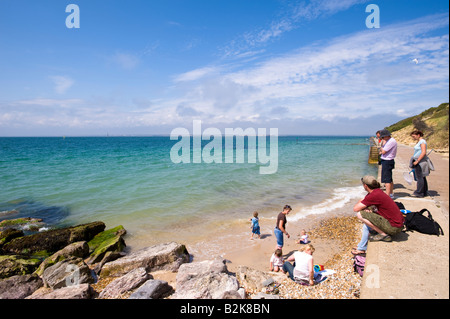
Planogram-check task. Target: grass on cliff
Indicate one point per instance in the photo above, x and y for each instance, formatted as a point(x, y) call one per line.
point(433, 122)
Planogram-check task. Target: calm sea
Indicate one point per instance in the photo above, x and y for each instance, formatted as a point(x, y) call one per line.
point(131, 181)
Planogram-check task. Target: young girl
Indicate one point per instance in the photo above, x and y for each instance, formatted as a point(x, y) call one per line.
point(255, 225)
point(276, 261)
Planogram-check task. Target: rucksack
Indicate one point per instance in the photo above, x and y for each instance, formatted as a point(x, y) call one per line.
point(359, 262)
point(426, 225)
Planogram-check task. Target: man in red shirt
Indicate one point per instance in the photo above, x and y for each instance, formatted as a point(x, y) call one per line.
point(385, 217)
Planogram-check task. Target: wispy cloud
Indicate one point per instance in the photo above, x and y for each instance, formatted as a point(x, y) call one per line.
point(126, 61)
point(61, 83)
point(295, 15)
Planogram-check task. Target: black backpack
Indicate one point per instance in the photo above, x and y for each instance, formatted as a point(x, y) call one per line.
point(426, 225)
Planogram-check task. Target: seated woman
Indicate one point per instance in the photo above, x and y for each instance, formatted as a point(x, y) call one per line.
point(302, 271)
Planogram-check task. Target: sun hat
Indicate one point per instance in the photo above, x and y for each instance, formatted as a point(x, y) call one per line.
point(384, 133)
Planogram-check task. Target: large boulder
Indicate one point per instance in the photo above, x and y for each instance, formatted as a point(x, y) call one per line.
point(19, 287)
point(126, 283)
point(83, 291)
point(79, 249)
point(167, 256)
point(68, 272)
point(110, 240)
point(49, 242)
point(205, 280)
point(11, 265)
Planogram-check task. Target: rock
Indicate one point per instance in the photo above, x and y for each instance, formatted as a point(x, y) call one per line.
point(68, 272)
point(8, 235)
point(152, 289)
point(107, 241)
point(79, 249)
point(49, 242)
point(19, 287)
point(126, 283)
point(26, 223)
point(168, 256)
point(109, 256)
point(83, 291)
point(12, 265)
point(205, 280)
point(255, 279)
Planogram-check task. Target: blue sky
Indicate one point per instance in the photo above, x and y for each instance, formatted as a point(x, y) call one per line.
point(145, 67)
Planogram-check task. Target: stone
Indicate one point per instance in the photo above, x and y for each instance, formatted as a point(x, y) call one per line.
point(49, 242)
point(26, 223)
point(110, 240)
point(79, 249)
point(205, 280)
point(68, 272)
point(19, 287)
point(126, 283)
point(152, 289)
point(167, 256)
point(83, 291)
point(11, 265)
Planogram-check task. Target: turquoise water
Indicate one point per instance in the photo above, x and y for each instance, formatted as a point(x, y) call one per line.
point(133, 182)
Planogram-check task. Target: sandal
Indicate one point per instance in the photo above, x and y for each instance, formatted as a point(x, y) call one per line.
point(380, 237)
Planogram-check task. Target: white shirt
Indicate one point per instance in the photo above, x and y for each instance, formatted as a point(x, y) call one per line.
point(302, 263)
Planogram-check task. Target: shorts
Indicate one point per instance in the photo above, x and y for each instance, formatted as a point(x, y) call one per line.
point(386, 171)
point(256, 230)
point(279, 236)
point(380, 222)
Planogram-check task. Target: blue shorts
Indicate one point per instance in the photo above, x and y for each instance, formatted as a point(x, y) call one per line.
point(256, 230)
point(386, 171)
point(279, 236)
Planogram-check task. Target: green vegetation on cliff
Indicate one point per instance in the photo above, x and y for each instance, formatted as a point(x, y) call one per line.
point(432, 122)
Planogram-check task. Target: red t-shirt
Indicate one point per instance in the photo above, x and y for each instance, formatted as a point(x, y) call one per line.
point(386, 207)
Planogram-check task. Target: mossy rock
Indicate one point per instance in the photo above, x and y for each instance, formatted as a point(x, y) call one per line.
point(53, 240)
point(108, 240)
point(8, 235)
point(17, 265)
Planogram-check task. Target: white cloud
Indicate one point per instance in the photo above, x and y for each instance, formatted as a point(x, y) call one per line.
point(125, 60)
point(195, 74)
point(62, 83)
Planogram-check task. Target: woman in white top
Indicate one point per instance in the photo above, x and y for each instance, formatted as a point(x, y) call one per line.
point(303, 269)
point(419, 159)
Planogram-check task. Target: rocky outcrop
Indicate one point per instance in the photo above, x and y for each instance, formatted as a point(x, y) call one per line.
point(49, 242)
point(9, 234)
point(256, 280)
point(167, 256)
point(19, 287)
point(205, 280)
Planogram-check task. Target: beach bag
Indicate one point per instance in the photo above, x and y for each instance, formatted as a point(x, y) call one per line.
point(359, 262)
point(423, 224)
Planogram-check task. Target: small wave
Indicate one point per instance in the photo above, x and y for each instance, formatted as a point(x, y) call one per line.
point(340, 197)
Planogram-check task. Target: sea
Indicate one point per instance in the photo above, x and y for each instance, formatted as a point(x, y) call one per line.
point(132, 181)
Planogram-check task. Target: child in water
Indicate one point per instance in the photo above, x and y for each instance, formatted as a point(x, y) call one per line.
point(255, 225)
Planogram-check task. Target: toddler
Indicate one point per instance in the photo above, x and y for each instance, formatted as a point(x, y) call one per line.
point(304, 238)
point(255, 225)
point(276, 261)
